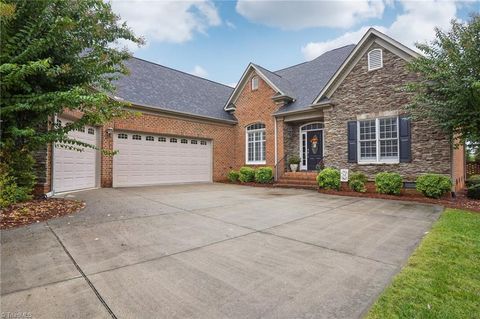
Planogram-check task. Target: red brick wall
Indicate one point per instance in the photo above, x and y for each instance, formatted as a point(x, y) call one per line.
point(254, 107)
point(220, 134)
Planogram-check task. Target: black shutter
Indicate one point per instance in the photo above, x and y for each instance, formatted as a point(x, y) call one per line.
point(405, 139)
point(352, 141)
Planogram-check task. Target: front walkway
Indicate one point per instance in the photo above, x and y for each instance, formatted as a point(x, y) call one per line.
point(210, 251)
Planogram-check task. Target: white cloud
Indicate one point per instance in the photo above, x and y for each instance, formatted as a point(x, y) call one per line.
point(167, 21)
point(296, 15)
point(415, 24)
point(199, 71)
point(230, 24)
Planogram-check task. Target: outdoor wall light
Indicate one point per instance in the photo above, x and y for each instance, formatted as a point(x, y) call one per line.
point(110, 131)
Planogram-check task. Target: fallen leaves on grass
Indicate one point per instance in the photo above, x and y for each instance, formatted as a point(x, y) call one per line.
point(38, 210)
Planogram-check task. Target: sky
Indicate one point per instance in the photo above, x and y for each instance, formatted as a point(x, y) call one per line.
point(217, 39)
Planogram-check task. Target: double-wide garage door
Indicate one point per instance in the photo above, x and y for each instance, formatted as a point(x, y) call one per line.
point(73, 170)
point(147, 159)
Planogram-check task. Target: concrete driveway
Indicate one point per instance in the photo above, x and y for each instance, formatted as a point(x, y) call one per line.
point(210, 251)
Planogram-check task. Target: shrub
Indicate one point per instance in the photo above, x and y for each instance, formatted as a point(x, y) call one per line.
point(294, 159)
point(10, 192)
point(329, 178)
point(247, 174)
point(473, 180)
point(233, 176)
point(473, 191)
point(263, 175)
point(433, 185)
point(388, 183)
point(357, 182)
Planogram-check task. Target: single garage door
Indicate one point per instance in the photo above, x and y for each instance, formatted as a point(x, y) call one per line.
point(146, 159)
point(73, 170)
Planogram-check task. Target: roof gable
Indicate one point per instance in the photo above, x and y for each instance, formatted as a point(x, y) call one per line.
point(370, 37)
point(279, 85)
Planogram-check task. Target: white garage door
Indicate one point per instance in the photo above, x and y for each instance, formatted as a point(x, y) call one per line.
point(73, 170)
point(145, 159)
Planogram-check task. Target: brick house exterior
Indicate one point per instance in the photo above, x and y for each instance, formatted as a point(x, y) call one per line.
point(320, 98)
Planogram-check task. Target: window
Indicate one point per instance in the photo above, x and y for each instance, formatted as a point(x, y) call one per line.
point(193, 142)
point(59, 123)
point(173, 140)
point(184, 141)
point(81, 129)
point(150, 138)
point(91, 131)
point(375, 59)
point(378, 140)
point(162, 139)
point(136, 137)
point(255, 137)
point(254, 83)
point(203, 142)
point(122, 136)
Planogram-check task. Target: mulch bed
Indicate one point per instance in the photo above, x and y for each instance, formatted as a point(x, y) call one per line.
point(461, 201)
point(38, 210)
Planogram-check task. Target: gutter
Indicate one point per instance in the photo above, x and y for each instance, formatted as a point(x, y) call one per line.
point(168, 111)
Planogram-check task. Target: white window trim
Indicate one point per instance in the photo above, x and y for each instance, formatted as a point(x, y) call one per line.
point(253, 80)
point(381, 60)
point(377, 139)
point(261, 146)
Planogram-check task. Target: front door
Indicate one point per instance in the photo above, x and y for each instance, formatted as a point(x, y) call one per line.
point(314, 149)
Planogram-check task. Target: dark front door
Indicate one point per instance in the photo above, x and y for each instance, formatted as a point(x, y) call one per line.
point(314, 149)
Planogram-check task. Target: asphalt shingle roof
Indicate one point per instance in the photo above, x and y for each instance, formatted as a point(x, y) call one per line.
point(164, 88)
point(161, 87)
point(306, 80)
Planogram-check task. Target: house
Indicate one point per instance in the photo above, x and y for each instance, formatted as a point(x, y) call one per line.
point(345, 109)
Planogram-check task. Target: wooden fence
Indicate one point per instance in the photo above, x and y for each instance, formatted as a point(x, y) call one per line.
point(473, 168)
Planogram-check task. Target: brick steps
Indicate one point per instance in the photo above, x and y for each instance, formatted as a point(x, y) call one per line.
point(304, 180)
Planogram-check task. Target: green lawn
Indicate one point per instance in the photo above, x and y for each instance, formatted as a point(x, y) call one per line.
point(442, 277)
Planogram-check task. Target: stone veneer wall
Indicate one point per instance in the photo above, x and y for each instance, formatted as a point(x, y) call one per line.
point(291, 139)
point(374, 92)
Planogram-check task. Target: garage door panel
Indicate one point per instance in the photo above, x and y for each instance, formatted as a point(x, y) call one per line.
point(161, 161)
point(75, 170)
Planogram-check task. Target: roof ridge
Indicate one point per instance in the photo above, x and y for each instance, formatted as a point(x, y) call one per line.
point(288, 67)
point(179, 71)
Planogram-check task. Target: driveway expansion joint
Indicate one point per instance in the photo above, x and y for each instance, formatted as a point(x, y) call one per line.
point(100, 298)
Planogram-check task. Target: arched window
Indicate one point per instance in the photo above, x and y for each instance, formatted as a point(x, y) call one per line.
point(255, 144)
point(254, 83)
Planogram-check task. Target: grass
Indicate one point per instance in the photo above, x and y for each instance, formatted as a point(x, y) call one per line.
point(442, 277)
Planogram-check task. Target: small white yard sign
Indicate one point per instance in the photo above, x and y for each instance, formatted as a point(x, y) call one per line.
point(344, 175)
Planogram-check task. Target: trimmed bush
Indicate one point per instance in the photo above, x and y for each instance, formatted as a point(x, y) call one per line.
point(357, 182)
point(433, 185)
point(233, 176)
point(263, 175)
point(388, 183)
point(473, 191)
point(247, 174)
point(329, 178)
point(10, 192)
point(473, 180)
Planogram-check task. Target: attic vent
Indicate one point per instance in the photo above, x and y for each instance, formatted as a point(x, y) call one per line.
point(375, 59)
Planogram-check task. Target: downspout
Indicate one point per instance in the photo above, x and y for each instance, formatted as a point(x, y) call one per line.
point(276, 155)
point(52, 164)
